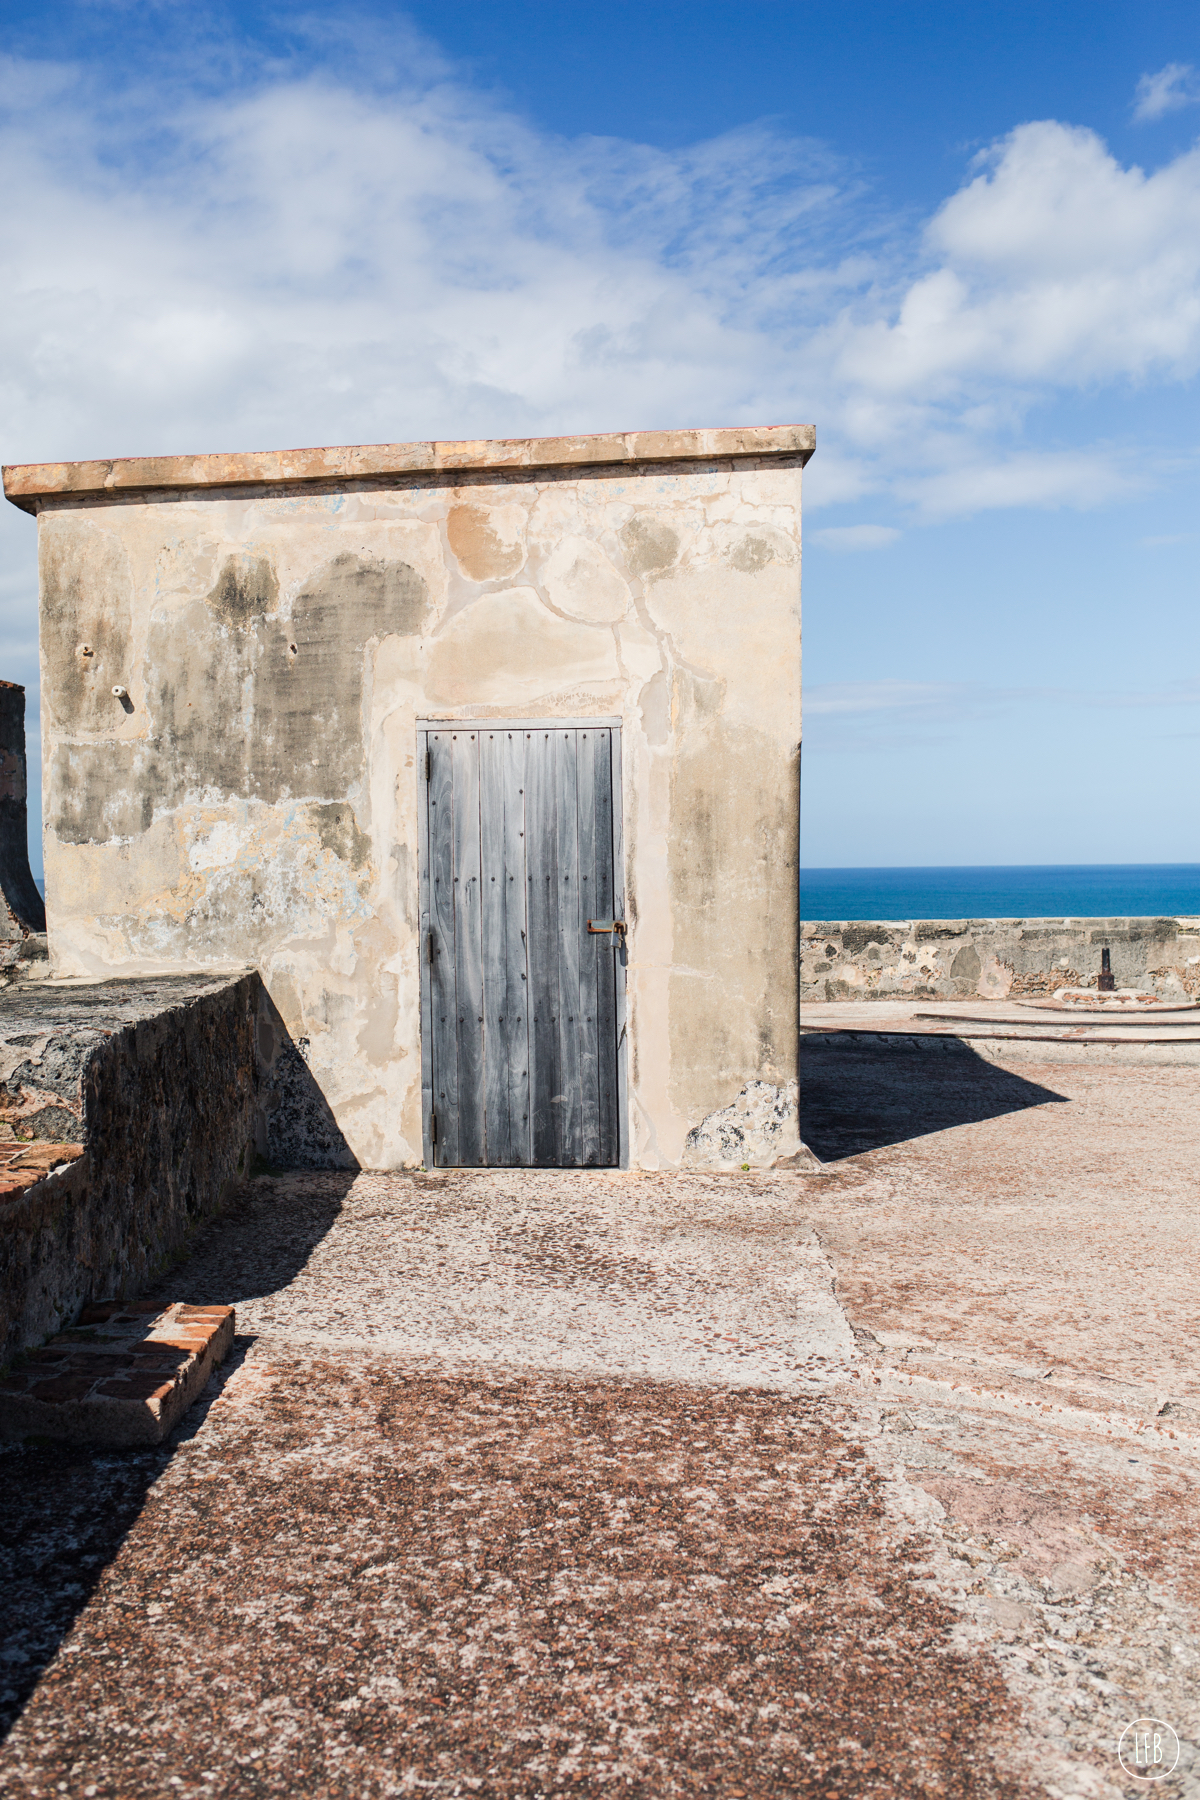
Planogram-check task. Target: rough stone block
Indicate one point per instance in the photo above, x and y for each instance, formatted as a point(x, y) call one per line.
point(123, 1375)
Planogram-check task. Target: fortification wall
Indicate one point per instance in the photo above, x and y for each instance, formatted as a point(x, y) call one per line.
point(139, 1105)
point(993, 958)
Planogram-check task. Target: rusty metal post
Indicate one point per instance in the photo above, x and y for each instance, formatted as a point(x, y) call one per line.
point(1105, 984)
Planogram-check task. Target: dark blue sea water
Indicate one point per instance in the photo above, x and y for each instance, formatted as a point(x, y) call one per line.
point(1039, 891)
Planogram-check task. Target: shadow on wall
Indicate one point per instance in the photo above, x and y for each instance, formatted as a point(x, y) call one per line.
point(857, 1095)
point(177, 1089)
point(297, 1129)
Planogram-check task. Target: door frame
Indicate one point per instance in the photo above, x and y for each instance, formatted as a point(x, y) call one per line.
point(618, 814)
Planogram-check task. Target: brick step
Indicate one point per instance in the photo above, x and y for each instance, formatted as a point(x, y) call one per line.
point(124, 1374)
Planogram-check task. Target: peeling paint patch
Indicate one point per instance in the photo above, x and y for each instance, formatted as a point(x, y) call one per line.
point(760, 1128)
point(215, 849)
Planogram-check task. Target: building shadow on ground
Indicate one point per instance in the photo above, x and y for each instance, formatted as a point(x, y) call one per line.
point(859, 1093)
point(65, 1509)
point(260, 1241)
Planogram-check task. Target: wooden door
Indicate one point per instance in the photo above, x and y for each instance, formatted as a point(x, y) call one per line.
point(522, 1004)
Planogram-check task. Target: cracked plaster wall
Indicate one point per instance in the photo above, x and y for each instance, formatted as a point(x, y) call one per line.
point(254, 800)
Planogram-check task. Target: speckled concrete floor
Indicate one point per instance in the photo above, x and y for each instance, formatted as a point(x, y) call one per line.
point(545, 1484)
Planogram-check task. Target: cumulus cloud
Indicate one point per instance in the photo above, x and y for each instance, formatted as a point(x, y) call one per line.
point(323, 253)
point(1173, 87)
point(311, 261)
point(1054, 267)
point(355, 247)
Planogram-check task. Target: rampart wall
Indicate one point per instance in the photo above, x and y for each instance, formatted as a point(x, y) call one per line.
point(928, 959)
point(128, 1110)
point(165, 1105)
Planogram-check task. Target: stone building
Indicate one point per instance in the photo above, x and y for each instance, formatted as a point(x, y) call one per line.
point(486, 755)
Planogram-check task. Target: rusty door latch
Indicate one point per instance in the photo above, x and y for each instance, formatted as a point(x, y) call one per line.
point(595, 926)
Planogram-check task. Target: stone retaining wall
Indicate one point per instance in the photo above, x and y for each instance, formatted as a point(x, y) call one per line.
point(166, 1104)
point(944, 959)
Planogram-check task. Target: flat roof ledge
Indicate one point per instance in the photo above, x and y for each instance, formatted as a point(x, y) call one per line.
point(29, 485)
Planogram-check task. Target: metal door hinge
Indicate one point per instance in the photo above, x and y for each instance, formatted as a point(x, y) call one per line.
point(433, 1128)
point(432, 946)
point(429, 765)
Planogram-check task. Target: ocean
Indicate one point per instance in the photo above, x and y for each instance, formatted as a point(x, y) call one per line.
point(1036, 891)
point(1012, 891)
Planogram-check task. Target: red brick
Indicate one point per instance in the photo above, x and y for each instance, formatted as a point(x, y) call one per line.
point(136, 1387)
point(170, 1355)
point(98, 1313)
point(215, 1313)
point(64, 1387)
point(178, 1340)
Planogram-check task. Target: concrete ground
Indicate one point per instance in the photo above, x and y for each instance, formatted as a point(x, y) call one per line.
point(874, 1480)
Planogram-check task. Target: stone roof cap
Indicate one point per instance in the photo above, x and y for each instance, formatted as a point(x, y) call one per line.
point(29, 485)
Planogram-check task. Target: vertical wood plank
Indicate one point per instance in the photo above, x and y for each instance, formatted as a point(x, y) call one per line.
point(423, 937)
point(541, 886)
point(493, 892)
point(468, 946)
point(566, 805)
point(517, 1010)
point(439, 949)
point(590, 949)
point(606, 961)
point(620, 961)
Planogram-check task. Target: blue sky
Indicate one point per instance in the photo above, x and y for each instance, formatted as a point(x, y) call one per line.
point(964, 240)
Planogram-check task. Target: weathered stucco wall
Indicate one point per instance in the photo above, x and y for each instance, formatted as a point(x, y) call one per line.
point(992, 958)
point(252, 798)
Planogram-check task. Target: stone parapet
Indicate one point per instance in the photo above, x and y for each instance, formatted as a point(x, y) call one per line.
point(141, 1104)
point(994, 958)
point(30, 485)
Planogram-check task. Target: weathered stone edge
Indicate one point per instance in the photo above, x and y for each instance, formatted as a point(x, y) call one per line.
point(27, 483)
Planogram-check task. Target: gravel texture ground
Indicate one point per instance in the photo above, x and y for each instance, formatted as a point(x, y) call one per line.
point(855, 1483)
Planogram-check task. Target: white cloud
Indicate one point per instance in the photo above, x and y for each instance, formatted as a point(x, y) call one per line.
point(325, 257)
point(945, 701)
point(855, 537)
point(313, 262)
point(858, 697)
point(1055, 268)
point(1080, 479)
point(1173, 87)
